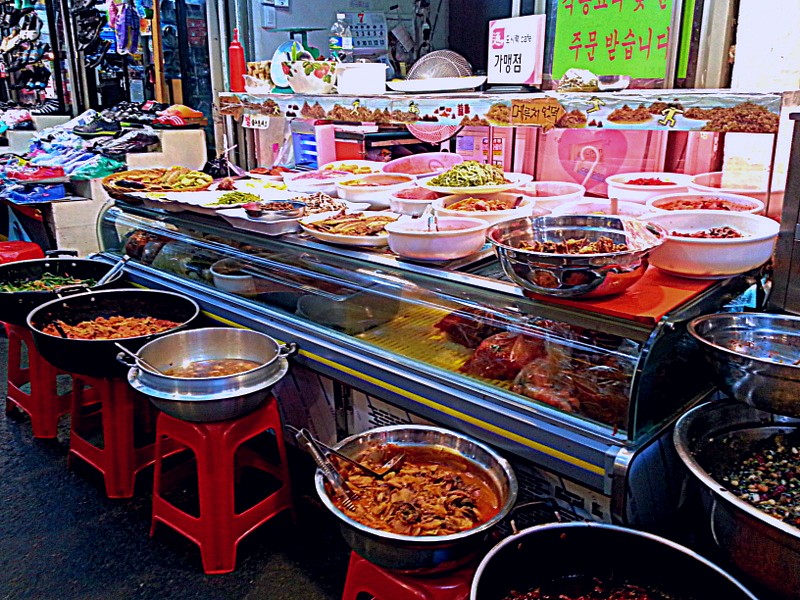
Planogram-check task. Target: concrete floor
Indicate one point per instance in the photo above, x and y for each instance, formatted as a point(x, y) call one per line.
point(61, 538)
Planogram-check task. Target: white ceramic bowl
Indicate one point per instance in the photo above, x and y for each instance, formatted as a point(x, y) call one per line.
point(714, 182)
point(310, 77)
point(523, 209)
point(630, 192)
point(600, 206)
point(704, 258)
point(698, 201)
point(551, 194)
point(226, 276)
point(401, 201)
point(453, 237)
point(375, 188)
point(425, 163)
point(315, 181)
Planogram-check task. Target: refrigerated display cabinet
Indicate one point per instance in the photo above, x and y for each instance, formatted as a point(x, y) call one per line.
point(586, 398)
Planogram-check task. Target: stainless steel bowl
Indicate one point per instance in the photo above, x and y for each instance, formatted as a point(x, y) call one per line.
point(574, 275)
point(423, 553)
point(209, 398)
point(711, 440)
point(755, 358)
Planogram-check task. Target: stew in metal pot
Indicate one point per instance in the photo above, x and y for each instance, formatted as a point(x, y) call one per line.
point(434, 492)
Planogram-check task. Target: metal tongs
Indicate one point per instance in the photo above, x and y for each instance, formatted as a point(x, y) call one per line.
point(391, 465)
point(306, 440)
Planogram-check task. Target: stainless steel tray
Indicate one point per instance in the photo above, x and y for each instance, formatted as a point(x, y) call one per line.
point(238, 219)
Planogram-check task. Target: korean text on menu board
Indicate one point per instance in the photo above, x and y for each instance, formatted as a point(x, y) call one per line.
point(516, 50)
point(613, 37)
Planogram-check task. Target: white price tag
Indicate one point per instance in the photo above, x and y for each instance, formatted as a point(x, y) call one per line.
point(255, 122)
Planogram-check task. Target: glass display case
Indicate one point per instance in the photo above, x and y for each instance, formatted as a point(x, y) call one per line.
point(579, 388)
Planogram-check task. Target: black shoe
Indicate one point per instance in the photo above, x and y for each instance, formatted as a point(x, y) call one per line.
point(153, 107)
point(38, 52)
point(101, 125)
point(89, 30)
point(93, 60)
point(79, 5)
point(133, 141)
point(21, 57)
point(26, 125)
point(40, 79)
point(22, 79)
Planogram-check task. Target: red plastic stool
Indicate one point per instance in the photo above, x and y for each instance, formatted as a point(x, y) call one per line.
point(42, 404)
point(364, 577)
point(14, 251)
point(122, 412)
point(218, 449)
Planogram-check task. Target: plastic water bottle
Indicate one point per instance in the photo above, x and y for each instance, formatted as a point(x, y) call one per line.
point(340, 42)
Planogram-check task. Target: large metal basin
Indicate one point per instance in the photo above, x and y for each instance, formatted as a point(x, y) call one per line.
point(574, 275)
point(423, 553)
point(755, 358)
point(711, 440)
point(564, 556)
point(209, 398)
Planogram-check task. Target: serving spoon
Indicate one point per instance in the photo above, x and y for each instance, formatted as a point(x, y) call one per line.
point(113, 271)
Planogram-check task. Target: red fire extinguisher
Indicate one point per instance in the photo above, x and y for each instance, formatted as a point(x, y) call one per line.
point(236, 64)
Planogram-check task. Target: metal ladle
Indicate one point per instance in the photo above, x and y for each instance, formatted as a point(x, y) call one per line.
point(133, 354)
point(113, 271)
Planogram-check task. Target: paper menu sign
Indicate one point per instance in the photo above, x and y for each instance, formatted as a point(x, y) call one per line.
point(516, 50)
point(613, 37)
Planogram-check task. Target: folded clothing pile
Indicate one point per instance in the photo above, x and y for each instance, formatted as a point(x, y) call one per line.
point(36, 194)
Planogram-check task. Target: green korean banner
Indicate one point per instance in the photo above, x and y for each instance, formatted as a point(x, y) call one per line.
point(612, 37)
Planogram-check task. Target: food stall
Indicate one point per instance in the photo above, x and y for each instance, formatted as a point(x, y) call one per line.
point(589, 428)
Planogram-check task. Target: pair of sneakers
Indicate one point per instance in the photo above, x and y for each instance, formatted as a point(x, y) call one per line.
point(50, 106)
point(143, 114)
point(35, 78)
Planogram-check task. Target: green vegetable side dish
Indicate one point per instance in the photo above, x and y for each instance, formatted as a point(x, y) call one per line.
point(47, 282)
point(235, 198)
point(470, 173)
